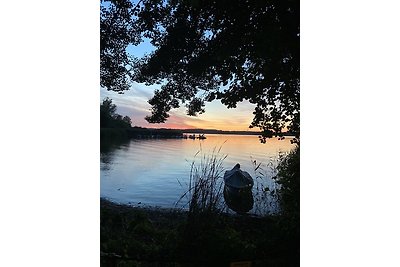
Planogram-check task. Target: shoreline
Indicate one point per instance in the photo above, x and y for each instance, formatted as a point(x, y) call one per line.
point(106, 203)
point(138, 236)
point(140, 132)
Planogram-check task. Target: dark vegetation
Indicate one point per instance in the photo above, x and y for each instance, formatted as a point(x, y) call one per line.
point(288, 177)
point(138, 132)
point(115, 128)
point(208, 50)
point(139, 237)
point(204, 195)
point(109, 118)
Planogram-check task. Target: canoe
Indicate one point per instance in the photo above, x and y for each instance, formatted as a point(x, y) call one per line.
point(237, 190)
point(238, 179)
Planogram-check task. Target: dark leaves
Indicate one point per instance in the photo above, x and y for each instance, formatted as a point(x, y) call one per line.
point(250, 47)
point(195, 106)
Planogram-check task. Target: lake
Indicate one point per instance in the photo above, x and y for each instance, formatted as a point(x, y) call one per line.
point(155, 172)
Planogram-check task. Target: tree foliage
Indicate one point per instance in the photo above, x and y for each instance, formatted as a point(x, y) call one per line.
point(109, 118)
point(116, 33)
point(208, 50)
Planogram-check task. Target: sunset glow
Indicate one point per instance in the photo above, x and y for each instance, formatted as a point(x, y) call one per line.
point(133, 103)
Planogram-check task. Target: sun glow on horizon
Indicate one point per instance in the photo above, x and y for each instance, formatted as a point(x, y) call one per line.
point(133, 103)
point(217, 117)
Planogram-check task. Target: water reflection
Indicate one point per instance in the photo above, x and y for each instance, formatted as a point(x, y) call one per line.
point(155, 172)
point(107, 151)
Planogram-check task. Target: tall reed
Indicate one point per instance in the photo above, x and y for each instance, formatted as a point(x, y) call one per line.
point(205, 187)
point(277, 185)
point(266, 188)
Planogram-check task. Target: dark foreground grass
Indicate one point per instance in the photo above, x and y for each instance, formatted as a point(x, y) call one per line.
point(157, 237)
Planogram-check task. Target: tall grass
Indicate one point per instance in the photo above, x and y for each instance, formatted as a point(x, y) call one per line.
point(205, 188)
point(265, 191)
point(277, 184)
point(281, 195)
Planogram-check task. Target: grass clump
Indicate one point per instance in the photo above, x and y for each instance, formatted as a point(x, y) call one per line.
point(205, 188)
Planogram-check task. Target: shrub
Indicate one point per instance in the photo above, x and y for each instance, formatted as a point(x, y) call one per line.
point(288, 177)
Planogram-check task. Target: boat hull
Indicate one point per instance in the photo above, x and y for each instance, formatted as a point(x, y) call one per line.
point(239, 200)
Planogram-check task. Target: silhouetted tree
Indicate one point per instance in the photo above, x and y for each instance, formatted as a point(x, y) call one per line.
point(116, 34)
point(110, 119)
point(207, 50)
point(107, 112)
point(127, 120)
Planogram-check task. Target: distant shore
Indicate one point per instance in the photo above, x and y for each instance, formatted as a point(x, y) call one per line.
point(213, 131)
point(140, 132)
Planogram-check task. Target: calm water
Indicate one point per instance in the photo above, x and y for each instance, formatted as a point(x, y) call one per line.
point(155, 172)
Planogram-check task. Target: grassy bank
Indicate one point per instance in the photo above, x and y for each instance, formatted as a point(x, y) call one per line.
point(156, 237)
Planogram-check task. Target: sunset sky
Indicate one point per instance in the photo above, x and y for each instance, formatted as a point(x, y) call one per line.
point(133, 103)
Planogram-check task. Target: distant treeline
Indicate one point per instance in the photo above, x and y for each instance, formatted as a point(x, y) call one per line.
point(139, 132)
point(213, 131)
point(115, 126)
